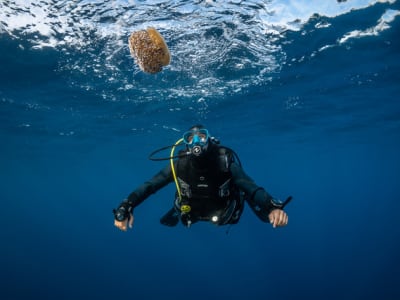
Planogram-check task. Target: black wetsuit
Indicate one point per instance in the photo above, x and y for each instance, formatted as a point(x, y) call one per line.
point(213, 185)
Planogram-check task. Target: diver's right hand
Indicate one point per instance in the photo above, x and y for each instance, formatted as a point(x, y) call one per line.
point(123, 225)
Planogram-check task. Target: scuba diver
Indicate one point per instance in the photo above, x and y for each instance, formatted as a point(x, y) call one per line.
point(211, 186)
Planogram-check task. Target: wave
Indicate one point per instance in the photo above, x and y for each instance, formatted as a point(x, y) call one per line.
point(218, 48)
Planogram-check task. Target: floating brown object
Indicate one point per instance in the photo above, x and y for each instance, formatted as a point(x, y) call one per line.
point(149, 50)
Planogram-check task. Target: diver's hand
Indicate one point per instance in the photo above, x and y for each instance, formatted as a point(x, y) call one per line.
point(123, 225)
point(278, 218)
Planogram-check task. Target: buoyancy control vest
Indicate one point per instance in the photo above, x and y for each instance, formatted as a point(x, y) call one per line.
point(206, 183)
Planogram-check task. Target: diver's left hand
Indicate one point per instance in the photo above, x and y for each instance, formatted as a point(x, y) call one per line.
point(278, 218)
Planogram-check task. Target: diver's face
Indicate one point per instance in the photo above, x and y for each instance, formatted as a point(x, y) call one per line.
point(196, 137)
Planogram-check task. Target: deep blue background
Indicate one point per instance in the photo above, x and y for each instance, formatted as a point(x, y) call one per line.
point(326, 130)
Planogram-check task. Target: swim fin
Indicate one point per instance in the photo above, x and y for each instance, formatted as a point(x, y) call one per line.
point(171, 218)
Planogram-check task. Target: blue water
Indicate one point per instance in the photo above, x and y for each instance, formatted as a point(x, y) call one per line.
point(306, 92)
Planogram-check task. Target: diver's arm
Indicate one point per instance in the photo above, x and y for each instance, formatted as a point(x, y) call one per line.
point(149, 187)
point(260, 201)
point(124, 213)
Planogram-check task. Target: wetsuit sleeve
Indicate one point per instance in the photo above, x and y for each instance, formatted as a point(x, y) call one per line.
point(260, 201)
point(149, 187)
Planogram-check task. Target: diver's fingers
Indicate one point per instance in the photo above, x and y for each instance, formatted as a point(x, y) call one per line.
point(283, 219)
point(274, 220)
point(278, 218)
point(121, 225)
point(271, 219)
point(131, 220)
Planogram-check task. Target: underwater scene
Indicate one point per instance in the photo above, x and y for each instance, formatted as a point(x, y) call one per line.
point(305, 92)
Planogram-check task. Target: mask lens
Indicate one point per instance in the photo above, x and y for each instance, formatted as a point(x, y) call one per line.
point(188, 137)
point(203, 135)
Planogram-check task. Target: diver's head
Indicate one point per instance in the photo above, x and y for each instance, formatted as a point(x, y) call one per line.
point(197, 139)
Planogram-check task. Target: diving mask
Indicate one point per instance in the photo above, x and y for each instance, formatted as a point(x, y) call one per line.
point(196, 140)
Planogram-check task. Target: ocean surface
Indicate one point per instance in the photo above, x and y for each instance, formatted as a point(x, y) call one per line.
point(306, 92)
